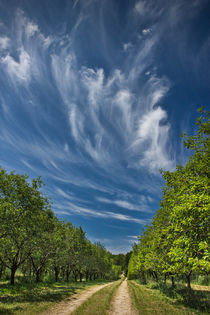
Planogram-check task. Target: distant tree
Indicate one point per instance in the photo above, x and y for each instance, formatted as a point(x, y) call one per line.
point(127, 258)
point(135, 265)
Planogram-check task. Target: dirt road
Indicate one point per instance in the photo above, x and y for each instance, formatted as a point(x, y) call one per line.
point(122, 304)
point(72, 303)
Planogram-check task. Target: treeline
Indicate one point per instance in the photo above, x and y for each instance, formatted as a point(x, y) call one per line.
point(176, 244)
point(36, 243)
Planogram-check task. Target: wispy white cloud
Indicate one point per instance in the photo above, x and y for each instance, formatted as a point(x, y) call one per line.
point(126, 205)
point(103, 127)
point(123, 217)
point(23, 48)
point(93, 80)
point(64, 74)
point(95, 101)
point(119, 248)
point(70, 207)
point(114, 122)
point(146, 31)
point(18, 69)
point(63, 193)
point(135, 237)
point(127, 46)
point(66, 148)
point(114, 245)
point(153, 136)
point(50, 158)
point(76, 121)
point(141, 7)
point(31, 28)
point(109, 100)
point(4, 42)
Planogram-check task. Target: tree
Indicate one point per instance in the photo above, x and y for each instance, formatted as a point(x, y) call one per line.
point(21, 206)
point(60, 248)
point(177, 240)
point(43, 244)
point(189, 190)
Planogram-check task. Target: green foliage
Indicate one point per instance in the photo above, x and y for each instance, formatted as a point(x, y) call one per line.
point(177, 241)
point(119, 265)
point(35, 242)
point(22, 208)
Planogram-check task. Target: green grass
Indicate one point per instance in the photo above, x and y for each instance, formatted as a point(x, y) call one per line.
point(198, 299)
point(99, 303)
point(166, 300)
point(27, 298)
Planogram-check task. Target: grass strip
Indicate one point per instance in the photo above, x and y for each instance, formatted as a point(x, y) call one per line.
point(148, 301)
point(99, 303)
point(34, 298)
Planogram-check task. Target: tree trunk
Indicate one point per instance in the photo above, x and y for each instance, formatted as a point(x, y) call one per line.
point(155, 276)
point(87, 275)
point(172, 282)
point(80, 277)
point(165, 277)
point(63, 272)
point(12, 276)
point(56, 274)
point(38, 275)
point(188, 277)
point(1, 271)
point(67, 274)
point(30, 271)
point(142, 277)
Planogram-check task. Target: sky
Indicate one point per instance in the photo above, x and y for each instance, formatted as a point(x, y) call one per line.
point(94, 95)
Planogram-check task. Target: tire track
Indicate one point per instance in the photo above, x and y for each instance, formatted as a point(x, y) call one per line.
point(70, 304)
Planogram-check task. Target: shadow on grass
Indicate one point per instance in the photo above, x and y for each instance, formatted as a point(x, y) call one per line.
point(195, 299)
point(42, 292)
point(4, 311)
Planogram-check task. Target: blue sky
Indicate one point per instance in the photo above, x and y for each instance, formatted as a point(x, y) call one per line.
point(93, 97)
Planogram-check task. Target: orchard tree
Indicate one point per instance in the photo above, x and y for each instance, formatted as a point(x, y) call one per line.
point(189, 190)
point(59, 247)
point(21, 205)
point(43, 244)
point(177, 242)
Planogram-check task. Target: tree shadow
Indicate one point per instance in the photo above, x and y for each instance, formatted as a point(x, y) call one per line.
point(194, 299)
point(38, 295)
point(32, 292)
point(12, 311)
